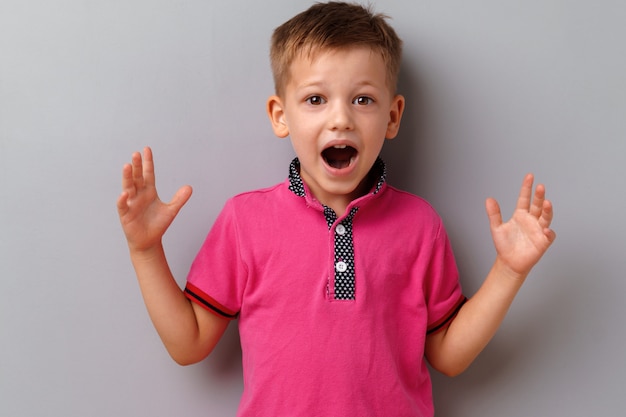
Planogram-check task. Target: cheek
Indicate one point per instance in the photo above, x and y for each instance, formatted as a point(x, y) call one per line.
point(302, 130)
point(376, 128)
point(304, 147)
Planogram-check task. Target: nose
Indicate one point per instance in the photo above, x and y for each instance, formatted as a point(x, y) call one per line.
point(341, 117)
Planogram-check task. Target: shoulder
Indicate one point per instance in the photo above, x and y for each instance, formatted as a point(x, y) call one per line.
point(399, 211)
point(404, 203)
point(260, 200)
point(267, 192)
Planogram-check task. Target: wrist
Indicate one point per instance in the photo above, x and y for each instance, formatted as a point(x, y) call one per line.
point(148, 254)
point(502, 269)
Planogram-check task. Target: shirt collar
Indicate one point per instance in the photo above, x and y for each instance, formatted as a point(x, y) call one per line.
point(296, 185)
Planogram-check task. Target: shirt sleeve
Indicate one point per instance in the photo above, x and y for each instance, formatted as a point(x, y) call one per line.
point(217, 276)
point(442, 289)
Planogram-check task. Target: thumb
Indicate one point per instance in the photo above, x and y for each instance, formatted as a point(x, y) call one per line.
point(180, 198)
point(493, 212)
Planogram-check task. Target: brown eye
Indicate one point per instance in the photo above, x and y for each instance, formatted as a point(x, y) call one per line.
point(315, 100)
point(363, 100)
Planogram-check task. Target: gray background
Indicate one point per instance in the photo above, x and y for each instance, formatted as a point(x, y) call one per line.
point(494, 88)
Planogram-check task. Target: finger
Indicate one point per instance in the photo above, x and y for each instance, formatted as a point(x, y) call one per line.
point(547, 214)
point(180, 198)
point(550, 235)
point(148, 167)
point(122, 203)
point(493, 213)
point(523, 201)
point(536, 208)
point(137, 170)
point(128, 183)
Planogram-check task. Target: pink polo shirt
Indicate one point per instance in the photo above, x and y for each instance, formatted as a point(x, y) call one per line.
point(333, 313)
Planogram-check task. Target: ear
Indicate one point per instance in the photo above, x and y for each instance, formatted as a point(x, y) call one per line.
point(276, 113)
point(395, 115)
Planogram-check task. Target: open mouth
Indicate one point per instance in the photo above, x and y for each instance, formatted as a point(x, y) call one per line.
point(340, 156)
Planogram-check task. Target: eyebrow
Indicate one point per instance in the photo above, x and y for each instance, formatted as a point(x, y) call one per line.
point(314, 83)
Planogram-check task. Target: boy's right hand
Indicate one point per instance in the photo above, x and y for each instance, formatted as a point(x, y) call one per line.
point(144, 217)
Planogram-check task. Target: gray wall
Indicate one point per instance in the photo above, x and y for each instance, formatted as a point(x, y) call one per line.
point(495, 89)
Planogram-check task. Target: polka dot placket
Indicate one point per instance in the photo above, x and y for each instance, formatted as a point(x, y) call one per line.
point(344, 287)
point(344, 254)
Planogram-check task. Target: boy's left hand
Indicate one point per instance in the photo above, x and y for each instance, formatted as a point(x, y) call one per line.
point(523, 240)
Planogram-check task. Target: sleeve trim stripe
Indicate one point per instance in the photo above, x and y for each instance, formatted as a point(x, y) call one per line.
point(441, 324)
point(196, 295)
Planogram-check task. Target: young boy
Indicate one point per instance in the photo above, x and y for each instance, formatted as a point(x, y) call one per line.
point(343, 285)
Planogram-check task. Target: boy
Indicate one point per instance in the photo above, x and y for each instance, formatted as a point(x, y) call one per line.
point(343, 285)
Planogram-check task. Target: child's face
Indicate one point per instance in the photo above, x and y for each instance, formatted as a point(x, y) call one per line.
point(337, 110)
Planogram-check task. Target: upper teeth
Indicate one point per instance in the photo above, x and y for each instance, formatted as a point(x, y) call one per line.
point(340, 146)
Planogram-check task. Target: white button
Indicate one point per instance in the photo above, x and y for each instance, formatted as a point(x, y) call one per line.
point(341, 266)
point(341, 229)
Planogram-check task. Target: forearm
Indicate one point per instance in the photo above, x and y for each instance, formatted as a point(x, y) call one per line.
point(476, 323)
point(171, 312)
point(520, 243)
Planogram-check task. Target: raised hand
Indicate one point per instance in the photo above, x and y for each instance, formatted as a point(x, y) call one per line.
point(522, 241)
point(144, 217)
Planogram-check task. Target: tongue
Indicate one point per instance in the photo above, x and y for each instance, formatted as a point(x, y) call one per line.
point(338, 158)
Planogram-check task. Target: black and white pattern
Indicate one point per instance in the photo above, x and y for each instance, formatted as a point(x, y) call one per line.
point(380, 167)
point(296, 185)
point(344, 254)
point(344, 288)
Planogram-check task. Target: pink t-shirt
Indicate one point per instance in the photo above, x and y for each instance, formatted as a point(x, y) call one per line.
point(315, 346)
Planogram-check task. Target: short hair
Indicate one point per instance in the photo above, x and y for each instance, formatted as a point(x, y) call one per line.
point(334, 26)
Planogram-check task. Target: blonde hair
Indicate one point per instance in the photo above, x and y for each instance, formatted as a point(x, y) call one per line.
point(333, 25)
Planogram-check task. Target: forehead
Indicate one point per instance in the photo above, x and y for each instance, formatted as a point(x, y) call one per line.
point(345, 65)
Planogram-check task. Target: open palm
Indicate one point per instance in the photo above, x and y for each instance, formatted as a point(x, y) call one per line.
point(144, 217)
point(522, 241)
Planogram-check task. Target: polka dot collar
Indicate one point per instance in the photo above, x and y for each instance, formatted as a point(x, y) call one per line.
point(296, 185)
